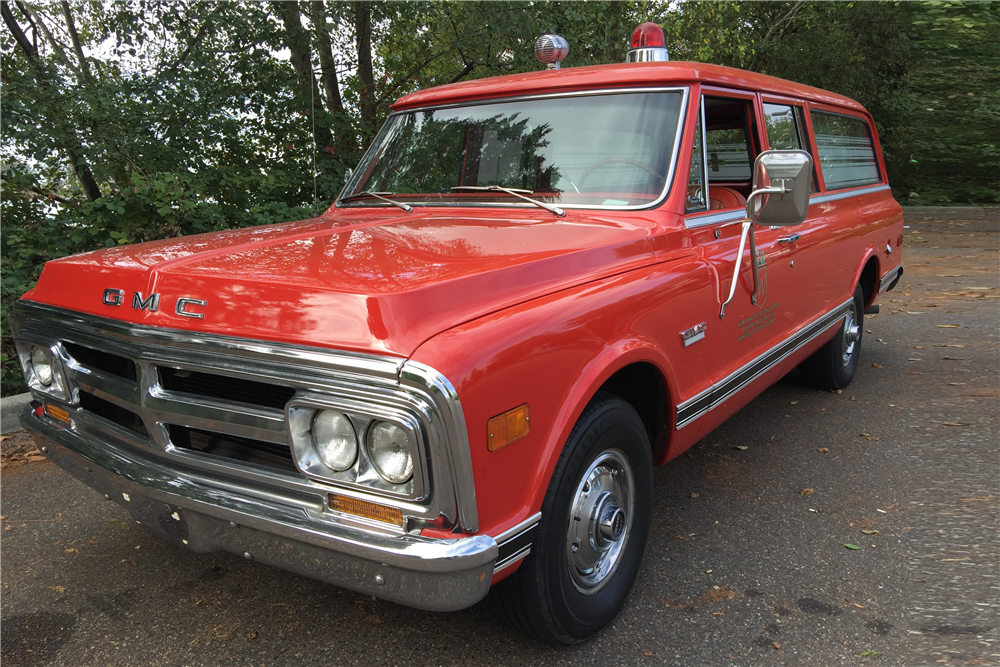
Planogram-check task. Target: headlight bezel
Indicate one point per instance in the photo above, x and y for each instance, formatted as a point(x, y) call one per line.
point(301, 412)
point(58, 387)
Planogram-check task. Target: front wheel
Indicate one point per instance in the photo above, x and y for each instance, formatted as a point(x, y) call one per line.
point(833, 365)
point(595, 520)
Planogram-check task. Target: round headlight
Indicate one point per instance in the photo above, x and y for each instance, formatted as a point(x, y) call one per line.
point(335, 441)
point(41, 363)
point(389, 450)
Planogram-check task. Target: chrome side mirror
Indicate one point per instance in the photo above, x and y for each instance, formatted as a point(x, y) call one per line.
point(780, 196)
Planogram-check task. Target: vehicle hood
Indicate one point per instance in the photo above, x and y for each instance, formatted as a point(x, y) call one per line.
point(358, 280)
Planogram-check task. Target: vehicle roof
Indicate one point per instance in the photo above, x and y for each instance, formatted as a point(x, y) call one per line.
point(617, 76)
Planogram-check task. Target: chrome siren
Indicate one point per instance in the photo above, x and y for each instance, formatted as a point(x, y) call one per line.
point(551, 50)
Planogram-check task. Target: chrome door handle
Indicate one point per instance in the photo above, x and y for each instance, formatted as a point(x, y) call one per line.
point(790, 239)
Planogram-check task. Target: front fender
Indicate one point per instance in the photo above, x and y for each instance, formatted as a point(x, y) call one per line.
point(554, 353)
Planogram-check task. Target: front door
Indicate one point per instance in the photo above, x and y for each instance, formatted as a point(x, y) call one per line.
point(755, 321)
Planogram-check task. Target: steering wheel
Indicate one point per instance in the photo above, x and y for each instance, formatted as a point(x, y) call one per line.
point(622, 160)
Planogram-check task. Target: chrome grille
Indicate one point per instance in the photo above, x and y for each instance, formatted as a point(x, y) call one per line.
point(226, 397)
point(209, 385)
point(232, 447)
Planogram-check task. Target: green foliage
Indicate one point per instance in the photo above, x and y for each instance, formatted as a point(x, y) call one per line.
point(137, 120)
point(952, 146)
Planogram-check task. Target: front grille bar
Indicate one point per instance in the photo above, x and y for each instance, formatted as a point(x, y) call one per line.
point(389, 382)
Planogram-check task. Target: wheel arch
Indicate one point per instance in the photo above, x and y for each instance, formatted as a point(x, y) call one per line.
point(867, 275)
point(611, 370)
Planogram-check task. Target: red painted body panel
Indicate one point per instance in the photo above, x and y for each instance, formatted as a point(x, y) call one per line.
point(517, 306)
point(617, 76)
point(356, 279)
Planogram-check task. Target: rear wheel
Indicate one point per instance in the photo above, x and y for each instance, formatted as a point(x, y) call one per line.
point(595, 520)
point(833, 365)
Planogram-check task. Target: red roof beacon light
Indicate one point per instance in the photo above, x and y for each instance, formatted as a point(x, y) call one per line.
point(551, 50)
point(648, 45)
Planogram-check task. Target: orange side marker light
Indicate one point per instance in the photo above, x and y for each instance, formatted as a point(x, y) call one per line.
point(366, 509)
point(56, 412)
point(508, 427)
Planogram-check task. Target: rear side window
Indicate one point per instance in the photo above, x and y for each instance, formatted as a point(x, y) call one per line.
point(786, 130)
point(846, 151)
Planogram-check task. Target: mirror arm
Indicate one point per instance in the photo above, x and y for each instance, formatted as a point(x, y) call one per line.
point(747, 227)
point(753, 263)
point(748, 230)
point(753, 241)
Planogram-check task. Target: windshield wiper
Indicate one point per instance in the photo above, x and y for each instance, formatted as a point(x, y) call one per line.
point(517, 192)
point(379, 195)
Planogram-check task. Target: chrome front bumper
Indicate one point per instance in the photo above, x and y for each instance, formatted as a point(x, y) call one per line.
point(209, 515)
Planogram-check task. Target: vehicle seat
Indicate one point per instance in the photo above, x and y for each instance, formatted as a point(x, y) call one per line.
point(721, 198)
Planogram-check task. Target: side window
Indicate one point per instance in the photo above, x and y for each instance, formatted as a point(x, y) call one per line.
point(846, 151)
point(697, 192)
point(786, 129)
point(782, 127)
point(730, 149)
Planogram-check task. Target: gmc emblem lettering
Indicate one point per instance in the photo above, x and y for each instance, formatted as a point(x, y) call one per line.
point(152, 303)
point(115, 297)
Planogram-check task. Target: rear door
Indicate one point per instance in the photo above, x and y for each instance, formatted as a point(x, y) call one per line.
point(849, 185)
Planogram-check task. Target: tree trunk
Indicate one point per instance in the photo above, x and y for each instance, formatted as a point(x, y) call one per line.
point(343, 129)
point(363, 40)
point(74, 152)
point(297, 40)
point(326, 62)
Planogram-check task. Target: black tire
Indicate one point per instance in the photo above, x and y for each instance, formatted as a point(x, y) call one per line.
point(833, 365)
point(551, 597)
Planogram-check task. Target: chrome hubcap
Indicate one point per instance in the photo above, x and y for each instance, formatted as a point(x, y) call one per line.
point(600, 519)
point(852, 332)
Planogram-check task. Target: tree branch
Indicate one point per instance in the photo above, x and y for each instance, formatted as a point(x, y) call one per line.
point(391, 91)
point(57, 48)
point(75, 37)
point(193, 43)
point(363, 42)
point(774, 32)
point(469, 66)
point(8, 17)
point(48, 195)
point(73, 152)
point(328, 69)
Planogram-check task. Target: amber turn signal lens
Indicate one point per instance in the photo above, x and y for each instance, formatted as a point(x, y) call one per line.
point(56, 412)
point(366, 509)
point(508, 427)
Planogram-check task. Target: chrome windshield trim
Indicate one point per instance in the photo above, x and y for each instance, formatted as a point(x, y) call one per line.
point(819, 199)
point(667, 186)
point(445, 487)
point(706, 219)
point(721, 391)
point(544, 96)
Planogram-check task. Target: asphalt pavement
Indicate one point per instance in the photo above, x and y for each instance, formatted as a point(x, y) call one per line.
point(813, 528)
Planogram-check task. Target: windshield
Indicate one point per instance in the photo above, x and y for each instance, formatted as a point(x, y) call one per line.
point(591, 150)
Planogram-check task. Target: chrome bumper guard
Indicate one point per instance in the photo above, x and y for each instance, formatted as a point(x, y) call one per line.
point(206, 514)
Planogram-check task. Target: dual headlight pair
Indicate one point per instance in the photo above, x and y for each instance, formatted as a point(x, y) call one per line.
point(332, 437)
